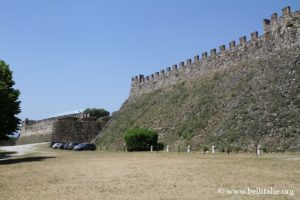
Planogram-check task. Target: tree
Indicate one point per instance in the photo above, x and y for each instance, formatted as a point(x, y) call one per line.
point(9, 103)
point(140, 139)
point(96, 112)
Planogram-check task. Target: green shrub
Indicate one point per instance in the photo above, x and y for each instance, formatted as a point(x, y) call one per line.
point(140, 139)
point(205, 149)
point(96, 112)
point(222, 149)
point(228, 149)
point(159, 146)
point(236, 148)
point(265, 150)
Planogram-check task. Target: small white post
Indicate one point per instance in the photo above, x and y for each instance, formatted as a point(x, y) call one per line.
point(189, 149)
point(151, 148)
point(167, 150)
point(212, 149)
point(258, 150)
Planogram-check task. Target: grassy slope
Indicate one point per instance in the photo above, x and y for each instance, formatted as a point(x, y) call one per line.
point(255, 102)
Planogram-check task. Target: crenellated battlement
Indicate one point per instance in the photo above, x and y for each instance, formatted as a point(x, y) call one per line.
point(279, 32)
point(74, 115)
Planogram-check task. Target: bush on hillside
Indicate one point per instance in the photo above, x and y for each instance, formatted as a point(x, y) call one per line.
point(96, 112)
point(159, 146)
point(140, 139)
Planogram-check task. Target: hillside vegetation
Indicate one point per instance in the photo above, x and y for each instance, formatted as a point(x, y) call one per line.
point(249, 104)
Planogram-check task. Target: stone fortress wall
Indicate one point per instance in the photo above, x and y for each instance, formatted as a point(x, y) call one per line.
point(76, 127)
point(279, 32)
point(77, 115)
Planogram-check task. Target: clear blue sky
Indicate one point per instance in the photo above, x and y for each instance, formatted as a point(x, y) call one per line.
point(71, 54)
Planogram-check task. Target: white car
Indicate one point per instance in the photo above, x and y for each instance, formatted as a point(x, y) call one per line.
point(56, 145)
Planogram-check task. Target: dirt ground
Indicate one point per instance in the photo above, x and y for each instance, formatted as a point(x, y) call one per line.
point(59, 174)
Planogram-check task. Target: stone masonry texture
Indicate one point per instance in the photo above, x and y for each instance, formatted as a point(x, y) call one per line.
point(69, 128)
point(279, 33)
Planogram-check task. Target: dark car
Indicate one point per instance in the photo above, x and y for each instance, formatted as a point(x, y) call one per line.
point(65, 147)
point(72, 145)
point(62, 145)
point(85, 146)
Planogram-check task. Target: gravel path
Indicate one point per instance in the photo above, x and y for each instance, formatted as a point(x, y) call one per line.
point(22, 149)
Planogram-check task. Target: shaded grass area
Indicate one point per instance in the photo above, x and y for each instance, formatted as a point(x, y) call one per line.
point(6, 154)
point(24, 159)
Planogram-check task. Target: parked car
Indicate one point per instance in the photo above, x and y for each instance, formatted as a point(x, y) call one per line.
point(62, 145)
point(72, 145)
point(85, 146)
point(52, 143)
point(65, 147)
point(57, 145)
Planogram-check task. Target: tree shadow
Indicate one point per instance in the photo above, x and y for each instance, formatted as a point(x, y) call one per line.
point(26, 159)
point(6, 154)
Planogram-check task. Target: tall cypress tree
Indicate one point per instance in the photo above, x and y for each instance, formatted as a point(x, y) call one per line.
point(9, 103)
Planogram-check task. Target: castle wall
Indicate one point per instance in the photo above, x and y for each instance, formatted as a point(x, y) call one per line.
point(35, 132)
point(68, 128)
point(42, 127)
point(279, 32)
point(75, 130)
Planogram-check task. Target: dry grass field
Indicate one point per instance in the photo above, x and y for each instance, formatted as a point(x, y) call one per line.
point(58, 174)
